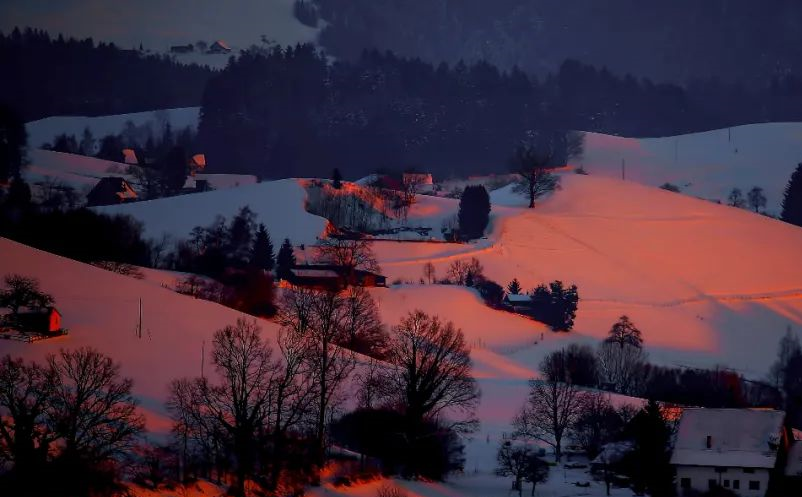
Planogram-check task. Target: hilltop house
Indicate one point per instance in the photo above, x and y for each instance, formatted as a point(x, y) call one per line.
point(735, 449)
point(109, 191)
point(218, 47)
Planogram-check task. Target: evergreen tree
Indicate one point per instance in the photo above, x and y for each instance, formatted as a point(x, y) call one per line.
point(262, 256)
point(240, 237)
point(651, 470)
point(285, 260)
point(175, 169)
point(87, 145)
point(474, 211)
point(514, 288)
point(792, 201)
point(336, 179)
point(13, 143)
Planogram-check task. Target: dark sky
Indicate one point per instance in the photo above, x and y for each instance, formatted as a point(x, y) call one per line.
point(159, 23)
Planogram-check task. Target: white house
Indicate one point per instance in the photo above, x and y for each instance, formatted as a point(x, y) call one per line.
point(734, 449)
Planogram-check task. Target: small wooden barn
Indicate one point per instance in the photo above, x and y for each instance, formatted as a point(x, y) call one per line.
point(45, 320)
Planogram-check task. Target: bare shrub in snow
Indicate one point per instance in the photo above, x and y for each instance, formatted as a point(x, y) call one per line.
point(389, 489)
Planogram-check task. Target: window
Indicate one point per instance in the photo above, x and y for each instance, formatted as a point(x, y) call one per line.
point(749, 470)
point(685, 483)
point(711, 484)
point(709, 441)
point(736, 484)
point(754, 485)
point(726, 483)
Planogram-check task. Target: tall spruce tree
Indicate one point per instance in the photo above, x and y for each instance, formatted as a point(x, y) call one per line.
point(262, 255)
point(474, 211)
point(285, 260)
point(13, 144)
point(792, 202)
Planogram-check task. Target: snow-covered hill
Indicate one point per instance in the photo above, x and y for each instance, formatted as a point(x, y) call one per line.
point(706, 165)
point(44, 130)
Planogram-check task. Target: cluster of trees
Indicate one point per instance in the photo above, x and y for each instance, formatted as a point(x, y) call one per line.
point(71, 418)
point(79, 234)
point(559, 410)
point(395, 111)
point(413, 410)
point(92, 78)
point(268, 414)
point(621, 364)
point(755, 198)
point(552, 304)
point(237, 255)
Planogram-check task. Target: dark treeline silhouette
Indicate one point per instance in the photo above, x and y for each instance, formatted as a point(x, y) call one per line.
point(666, 40)
point(281, 112)
point(57, 75)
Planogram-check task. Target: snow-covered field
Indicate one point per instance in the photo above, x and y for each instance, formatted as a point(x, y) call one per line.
point(706, 165)
point(82, 173)
point(43, 130)
point(277, 204)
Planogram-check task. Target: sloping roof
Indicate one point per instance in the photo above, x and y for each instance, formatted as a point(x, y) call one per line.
point(110, 187)
point(199, 160)
point(518, 298)
point(129, 156)
point(739, 438)
point(315, 273)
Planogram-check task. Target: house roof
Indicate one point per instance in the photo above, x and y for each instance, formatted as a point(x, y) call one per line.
point(116, 186)
point(199, 160)
point(518, 298)
point(129, 156)
point(739, 438)
point(315, 273)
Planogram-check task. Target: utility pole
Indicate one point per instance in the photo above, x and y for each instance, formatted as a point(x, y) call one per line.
point(623, 169)
point(139, 323)
point(203, 356)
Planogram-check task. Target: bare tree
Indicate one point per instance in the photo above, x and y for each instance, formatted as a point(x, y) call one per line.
point(93, 409)
point(236, 408)
point(621, 366)
point(429, 272)
point(352, 254)
point(430, 375)
point(363, 330)
point(520, 462)
point(549, 413)
point(756, 198)
point(596, 423)
point(25, 400)
point(320, 317)
point(736, 198)
point(459, 271)
point(536, 157)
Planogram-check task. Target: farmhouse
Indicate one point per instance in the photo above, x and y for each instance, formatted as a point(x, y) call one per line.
point(219, 47)
point(45, 320)
point(518, 303)
point(734, 449)
point(109, 191)
point(333, 277)
point(421, 182)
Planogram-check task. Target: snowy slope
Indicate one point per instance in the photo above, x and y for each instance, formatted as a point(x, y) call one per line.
point(82, 173)
point(706, 165)
point(699, 279)
point(43, 130)
point(278, 204)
